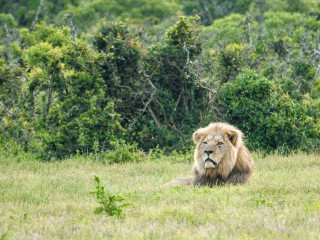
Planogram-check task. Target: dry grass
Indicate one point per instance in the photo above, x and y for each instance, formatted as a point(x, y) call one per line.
point(52, 201)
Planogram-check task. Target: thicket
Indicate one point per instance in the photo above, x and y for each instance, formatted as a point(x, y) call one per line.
point(122, 84)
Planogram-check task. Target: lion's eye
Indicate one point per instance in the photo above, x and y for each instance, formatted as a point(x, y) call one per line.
point(220, 143)
point(205, 143)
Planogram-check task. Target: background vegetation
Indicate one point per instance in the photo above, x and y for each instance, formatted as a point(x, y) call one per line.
point(96, 76)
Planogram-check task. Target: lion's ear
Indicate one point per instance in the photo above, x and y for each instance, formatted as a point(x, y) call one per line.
point(233, 137)
point(197, 135)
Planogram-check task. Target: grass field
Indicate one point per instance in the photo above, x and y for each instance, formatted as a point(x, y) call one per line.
point(52, 201)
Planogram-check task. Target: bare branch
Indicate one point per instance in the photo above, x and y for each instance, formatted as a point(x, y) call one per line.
point(204, 85)
point(154, 117)
point(248, 22)
point(304, 46)
point(178, 100)
point(314, 41)
point(49, 101)
point(7, 41)
point(166, 120)
point(188, 53)
point(316, 76)
point(164, 112)
point(315, 56)
point(5, 108)
point(36, 17)
point(204, 5)
point(72, 27)
point(146, 105)
point(211, 92)
point(261, 6)
point(6, 32)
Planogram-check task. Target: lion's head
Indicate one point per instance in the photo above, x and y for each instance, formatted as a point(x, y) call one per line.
point(220, 157)
point(217, 148)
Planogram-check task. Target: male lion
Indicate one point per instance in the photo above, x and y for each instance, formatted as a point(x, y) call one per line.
point(220, 157)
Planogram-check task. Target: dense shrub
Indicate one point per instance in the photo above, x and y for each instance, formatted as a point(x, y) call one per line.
point(270, 119)
point(231, 60)
point(120, 68)
point(125, 89)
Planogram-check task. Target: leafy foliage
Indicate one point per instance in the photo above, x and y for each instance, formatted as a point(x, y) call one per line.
point(122, 152)
point(120, 67)
point(271, 120)
point(231, 60)
point(121, 89)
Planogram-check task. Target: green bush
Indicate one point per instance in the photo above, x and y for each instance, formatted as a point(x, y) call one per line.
point(270, 119)
point(122, 152)
point(66, 95)
point(120, 67)
point(231, 60)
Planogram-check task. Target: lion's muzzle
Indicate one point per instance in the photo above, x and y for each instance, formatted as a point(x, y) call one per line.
point(209, 163)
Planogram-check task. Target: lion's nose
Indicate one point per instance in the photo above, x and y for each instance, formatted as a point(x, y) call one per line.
point(208, 152)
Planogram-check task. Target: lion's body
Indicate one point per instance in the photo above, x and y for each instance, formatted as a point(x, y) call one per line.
point(220, 157)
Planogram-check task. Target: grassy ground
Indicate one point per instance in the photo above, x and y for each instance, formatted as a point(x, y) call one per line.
point(52, 201)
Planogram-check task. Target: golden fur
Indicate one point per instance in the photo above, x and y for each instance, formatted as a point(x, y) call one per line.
point(220, 157)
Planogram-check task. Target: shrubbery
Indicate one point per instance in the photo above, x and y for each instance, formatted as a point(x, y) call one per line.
point(63, 94)
point(270, 119)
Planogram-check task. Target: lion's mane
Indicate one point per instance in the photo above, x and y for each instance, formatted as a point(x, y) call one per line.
point(235, 166)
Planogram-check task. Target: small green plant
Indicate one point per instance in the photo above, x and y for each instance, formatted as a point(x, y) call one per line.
point(110, 204)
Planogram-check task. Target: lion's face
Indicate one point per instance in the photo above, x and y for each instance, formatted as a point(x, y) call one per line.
point(213, 149)
point(217, 147)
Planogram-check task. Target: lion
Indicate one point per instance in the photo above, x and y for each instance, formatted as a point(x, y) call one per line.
point(220, 157)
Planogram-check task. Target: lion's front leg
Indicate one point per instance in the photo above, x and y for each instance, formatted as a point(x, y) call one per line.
point(238, 177)
point(181, 182)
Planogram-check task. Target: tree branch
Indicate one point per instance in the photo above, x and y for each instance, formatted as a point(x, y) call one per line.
point(7, 41)
point(261, 6)
point(164, 112)
point(313, 56)
point(203, 85)
point(154, 117)
point(5, 108)
point(36, 17)
point(6, 32)
point(72, 27)
point(303, 39)
point(49, 101)
point(316, 76)
point(206, 10)
point(154, 90)
point(188, 53)
point(166, 120)
point(248, 22)
point(178, 100)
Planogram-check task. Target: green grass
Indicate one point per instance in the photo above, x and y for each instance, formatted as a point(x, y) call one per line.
point(52, 201)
